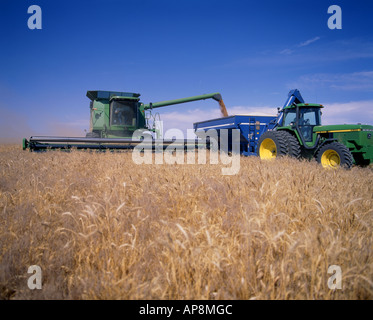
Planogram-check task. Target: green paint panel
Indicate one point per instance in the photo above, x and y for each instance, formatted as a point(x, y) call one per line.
point(99, 115)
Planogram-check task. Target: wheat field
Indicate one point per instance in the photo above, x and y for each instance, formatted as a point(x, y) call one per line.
point(102, 227)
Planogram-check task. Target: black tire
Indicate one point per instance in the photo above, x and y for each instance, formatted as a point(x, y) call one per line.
point(333, 155)
point(293, 146)
point(272, 144)
point(92, 135)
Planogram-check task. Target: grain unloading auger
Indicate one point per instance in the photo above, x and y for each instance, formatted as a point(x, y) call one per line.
point(118, 120)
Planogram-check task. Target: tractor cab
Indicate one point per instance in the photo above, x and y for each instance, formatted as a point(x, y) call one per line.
point(302, 117)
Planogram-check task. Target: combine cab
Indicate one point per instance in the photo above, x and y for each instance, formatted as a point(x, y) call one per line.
point(120, 114)
point(114, 114)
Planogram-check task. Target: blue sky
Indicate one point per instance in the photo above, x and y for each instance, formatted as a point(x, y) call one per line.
point(252, 52)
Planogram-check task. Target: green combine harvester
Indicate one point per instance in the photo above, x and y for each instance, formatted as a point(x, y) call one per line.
point(118, 120)
point(120, 114)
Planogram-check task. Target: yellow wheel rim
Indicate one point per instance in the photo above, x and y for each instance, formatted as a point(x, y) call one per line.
point(330, 159)
point(268, 149)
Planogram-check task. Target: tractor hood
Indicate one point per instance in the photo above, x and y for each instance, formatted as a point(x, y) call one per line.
point(343, 128)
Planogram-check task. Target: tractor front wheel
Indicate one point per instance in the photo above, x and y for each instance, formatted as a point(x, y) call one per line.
point(334, 155)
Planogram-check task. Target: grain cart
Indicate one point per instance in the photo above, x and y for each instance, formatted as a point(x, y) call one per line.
point(114, 118)
point(297, 132)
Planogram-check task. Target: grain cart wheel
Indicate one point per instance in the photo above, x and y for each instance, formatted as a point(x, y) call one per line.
point(272, 144)
point(334, 155)
point(293, 146)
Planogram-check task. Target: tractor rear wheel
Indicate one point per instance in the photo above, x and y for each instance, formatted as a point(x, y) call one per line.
point(293, 146)
point(272, 144)
point(334, 155)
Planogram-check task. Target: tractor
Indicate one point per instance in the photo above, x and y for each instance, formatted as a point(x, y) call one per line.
point(297, 132)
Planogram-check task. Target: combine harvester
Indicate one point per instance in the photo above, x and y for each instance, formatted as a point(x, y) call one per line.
point(118, 120)
point(296, 131)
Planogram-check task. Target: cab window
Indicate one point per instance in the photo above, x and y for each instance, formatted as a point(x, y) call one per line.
point(309, 117)
point(122, 113)
point(290, 116)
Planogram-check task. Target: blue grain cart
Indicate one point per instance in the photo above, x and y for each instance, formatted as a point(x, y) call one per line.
point(251, 127)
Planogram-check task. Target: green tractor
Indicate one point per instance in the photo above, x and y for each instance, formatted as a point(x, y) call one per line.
point(297, 132)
